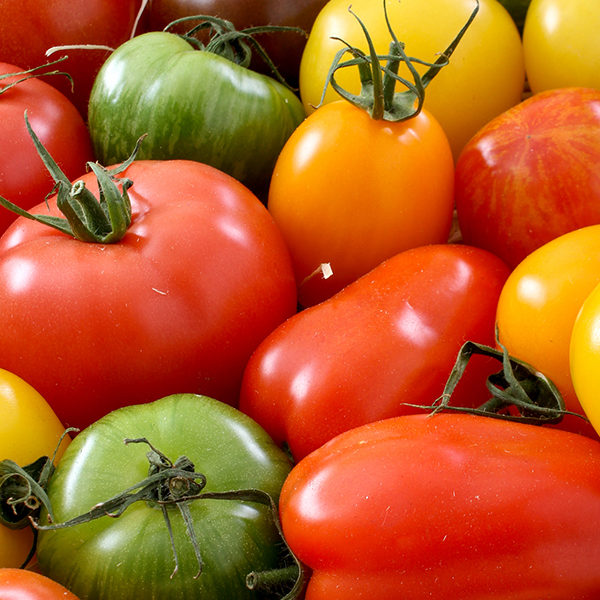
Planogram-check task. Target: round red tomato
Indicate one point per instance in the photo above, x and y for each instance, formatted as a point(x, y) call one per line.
point(390, 338)
point(19, 584)
point(532, 174)
point(200, 278)
point(24, 179)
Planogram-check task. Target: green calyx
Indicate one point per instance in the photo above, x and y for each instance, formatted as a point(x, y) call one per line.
point(378, 94)
point(86, 218)
point(32, 74)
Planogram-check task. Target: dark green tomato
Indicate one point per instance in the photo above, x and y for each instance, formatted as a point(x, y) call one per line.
point(193, 105)
point(131, 556)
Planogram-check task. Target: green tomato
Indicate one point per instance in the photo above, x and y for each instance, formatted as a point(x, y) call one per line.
point(131, 556)
point(193, 105)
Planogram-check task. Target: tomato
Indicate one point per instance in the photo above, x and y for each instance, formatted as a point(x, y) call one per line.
point(517, 10)
point(388, 339)
point(485, 76)
point(561, 44)
point(194, 105)
point(198, 280)
point(450, 506)
point(539, 304)
point(284, 48)
point(29, 429)
point(352, 191)
point(131, 556)
point(585, 356)
point(29, 28)
point(532, 174)
point(24, 179)
point(18, 584)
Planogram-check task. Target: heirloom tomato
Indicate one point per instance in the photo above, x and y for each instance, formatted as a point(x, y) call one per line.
point(485, 76)
point(196, 445)
point(29, 429)
point(24, 178)
point(29, 28)
point(561, 44)
point(459, 507)
point(19, 584)
point(532, 174)
point(538, 307)
point(199, 278)
point(389, 339)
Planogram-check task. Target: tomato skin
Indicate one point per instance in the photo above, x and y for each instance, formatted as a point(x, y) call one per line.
point(485, 75)
point(24, 179)
point(532, 174)
point(538, 307)
point(353, 191)
point(19, 584)
point(390, 338)
point(447, 506)
point(200, 278)
point(131, 556)
point(561, 44)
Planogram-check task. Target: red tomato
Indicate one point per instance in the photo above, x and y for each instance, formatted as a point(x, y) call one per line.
point(28, 28)
point(19, 584)
point(200, 278)
point(532, 174)
point(390, 338)
point(448, 506)
point(24, 179)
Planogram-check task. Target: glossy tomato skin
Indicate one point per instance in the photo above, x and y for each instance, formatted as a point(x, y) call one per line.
point(352, 191)
point(561, 44)
point(131, 556)
point(388, 339)
point(201, 277)
point(485, 76)
point(538, 307)
point(54, 23)
point(19, 584)
point(447, 506)
point(24, 179)
point(532, 174)
point(193, 105)
point(29, 430)
point(284, 48)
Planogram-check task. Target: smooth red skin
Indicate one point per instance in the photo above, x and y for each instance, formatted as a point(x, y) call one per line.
point(532, 174)
point(20, 584)
point(29, 27)
point(447, 506)
point(390, 338)
point(284, 48)
point(24, 178)
point(178, 305)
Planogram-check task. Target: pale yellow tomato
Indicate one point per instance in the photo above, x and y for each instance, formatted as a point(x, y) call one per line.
point(485, 76)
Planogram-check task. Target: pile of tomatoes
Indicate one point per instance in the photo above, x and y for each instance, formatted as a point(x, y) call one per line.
point(299, 299)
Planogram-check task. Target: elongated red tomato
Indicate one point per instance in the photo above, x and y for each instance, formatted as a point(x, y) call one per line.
point(390, 338)
point(453, 507)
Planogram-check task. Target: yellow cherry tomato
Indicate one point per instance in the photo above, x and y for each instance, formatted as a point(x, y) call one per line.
point(561, 44)
point(29, 429)
point(538, 307)
point(485, 75)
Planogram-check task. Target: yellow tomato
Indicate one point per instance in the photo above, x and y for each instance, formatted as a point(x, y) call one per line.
point(485, 76)
point(539, 304)
point(561, 44)
point(28, 429)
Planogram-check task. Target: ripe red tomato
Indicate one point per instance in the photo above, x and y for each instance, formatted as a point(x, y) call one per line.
point(199, 279)
point(19, 584)
point(24, 179)
point(28, 28)
point(448, 506)
point(390, 338)
point(532, 174)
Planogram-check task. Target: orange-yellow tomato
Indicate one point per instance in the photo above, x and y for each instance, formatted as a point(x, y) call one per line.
point(28, 429)
point(351, 191)
point(539, 304)
point(485, 75)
